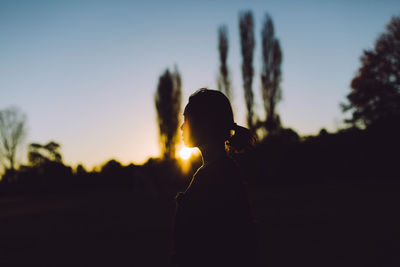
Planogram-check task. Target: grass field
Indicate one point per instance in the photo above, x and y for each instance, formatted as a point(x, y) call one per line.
point(324, 225)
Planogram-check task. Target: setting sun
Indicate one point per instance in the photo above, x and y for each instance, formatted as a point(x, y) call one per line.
point(185, 153)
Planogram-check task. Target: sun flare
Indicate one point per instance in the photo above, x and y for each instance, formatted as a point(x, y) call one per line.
point(185, 153)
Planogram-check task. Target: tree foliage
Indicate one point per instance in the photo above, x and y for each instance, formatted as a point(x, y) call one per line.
point(224, 83)
point(111, 167)
point(271, 74)
point(168, 105)
point(375, 94)
point(39, 155)
point(246, 26)
point(12, 132)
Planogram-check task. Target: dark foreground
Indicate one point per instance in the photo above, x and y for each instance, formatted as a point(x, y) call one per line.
point(319, 225)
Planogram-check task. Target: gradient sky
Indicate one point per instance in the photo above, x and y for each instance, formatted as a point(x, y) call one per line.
point(85, 72)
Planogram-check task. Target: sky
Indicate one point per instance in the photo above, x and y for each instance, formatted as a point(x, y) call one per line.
point(85, 72)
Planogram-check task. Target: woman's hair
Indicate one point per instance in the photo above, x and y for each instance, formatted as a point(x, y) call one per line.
point(211, 112)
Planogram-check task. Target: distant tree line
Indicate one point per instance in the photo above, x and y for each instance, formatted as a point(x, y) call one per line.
point(46, 173)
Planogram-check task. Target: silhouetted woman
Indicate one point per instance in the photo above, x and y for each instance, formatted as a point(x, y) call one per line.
point(213, 222)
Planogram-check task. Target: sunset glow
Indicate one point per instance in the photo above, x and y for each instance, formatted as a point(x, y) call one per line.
point(185, 153)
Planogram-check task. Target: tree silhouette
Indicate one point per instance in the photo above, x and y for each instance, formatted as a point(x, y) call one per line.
point(224, 83)
point(168, 106)
point(111, 168)
point(246, 26)
point(12, 132)
point(80, 170)
point(375, 94)
point(46, 165)
point(39, 155)
point(271, 74)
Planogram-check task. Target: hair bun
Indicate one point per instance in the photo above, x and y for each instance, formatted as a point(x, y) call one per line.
point(242, 140)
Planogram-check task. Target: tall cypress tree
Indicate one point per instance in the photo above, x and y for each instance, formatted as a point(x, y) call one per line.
point(168, 106)
point(271, 75)
point(247, 41)
point(224, 83)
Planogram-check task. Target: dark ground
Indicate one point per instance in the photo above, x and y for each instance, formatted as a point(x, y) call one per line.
point(319, 225)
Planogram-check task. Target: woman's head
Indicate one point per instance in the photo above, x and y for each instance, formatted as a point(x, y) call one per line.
point(208, 120)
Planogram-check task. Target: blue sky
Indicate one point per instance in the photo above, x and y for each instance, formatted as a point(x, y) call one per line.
point(85, 72)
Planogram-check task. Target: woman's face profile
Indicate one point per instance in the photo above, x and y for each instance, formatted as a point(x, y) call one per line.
point(192, 132)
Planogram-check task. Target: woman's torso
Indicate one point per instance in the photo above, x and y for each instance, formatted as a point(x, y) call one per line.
point(213, 218)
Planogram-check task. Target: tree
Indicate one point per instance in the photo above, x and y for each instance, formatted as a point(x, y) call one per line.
point(12, 132)
point(168, 105)
point(46, 162)
point(42, 154)
point(271, 75)
point(80, 171)
point(111, 168)
point(224, 83)
point(246, 26)
point(375, 94)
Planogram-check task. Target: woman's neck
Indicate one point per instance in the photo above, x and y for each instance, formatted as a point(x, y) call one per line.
point(212, 153)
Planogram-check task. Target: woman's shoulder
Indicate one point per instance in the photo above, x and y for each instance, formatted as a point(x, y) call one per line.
point(220, 170)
